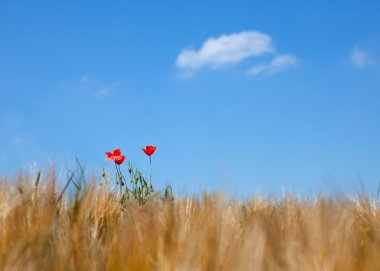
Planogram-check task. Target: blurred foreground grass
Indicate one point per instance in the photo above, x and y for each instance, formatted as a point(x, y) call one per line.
point(92, 230)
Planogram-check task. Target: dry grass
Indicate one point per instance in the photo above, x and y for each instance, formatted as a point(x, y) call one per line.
point(94, 232)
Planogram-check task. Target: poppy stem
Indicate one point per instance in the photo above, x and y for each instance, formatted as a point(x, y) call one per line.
point(150, 175)
point(119, 177)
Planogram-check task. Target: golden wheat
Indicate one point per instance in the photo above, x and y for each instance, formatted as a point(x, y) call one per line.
point(94, 231)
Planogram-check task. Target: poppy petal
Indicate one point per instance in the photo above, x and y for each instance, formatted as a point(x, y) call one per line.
point(109, 156)
point(149, 150)
point(116, 152)
point(119, 159)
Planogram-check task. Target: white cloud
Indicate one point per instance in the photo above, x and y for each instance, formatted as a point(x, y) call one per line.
point(104, 90)
point(361, 58)
point(86, 84)
point(231, 49)
point(279, 63)
point(226, 49)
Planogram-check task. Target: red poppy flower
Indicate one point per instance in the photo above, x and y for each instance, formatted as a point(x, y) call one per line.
point(115, 156)
point(119, 159)
point(149, 150)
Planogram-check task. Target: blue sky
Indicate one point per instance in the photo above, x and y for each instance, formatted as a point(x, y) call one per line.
point(237, 95)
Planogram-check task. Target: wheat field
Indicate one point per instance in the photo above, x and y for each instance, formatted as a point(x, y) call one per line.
point(93, 230)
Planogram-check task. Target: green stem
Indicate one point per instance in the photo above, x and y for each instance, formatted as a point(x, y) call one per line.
point(121, 182)
point(150, 175)
point(120, 178)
